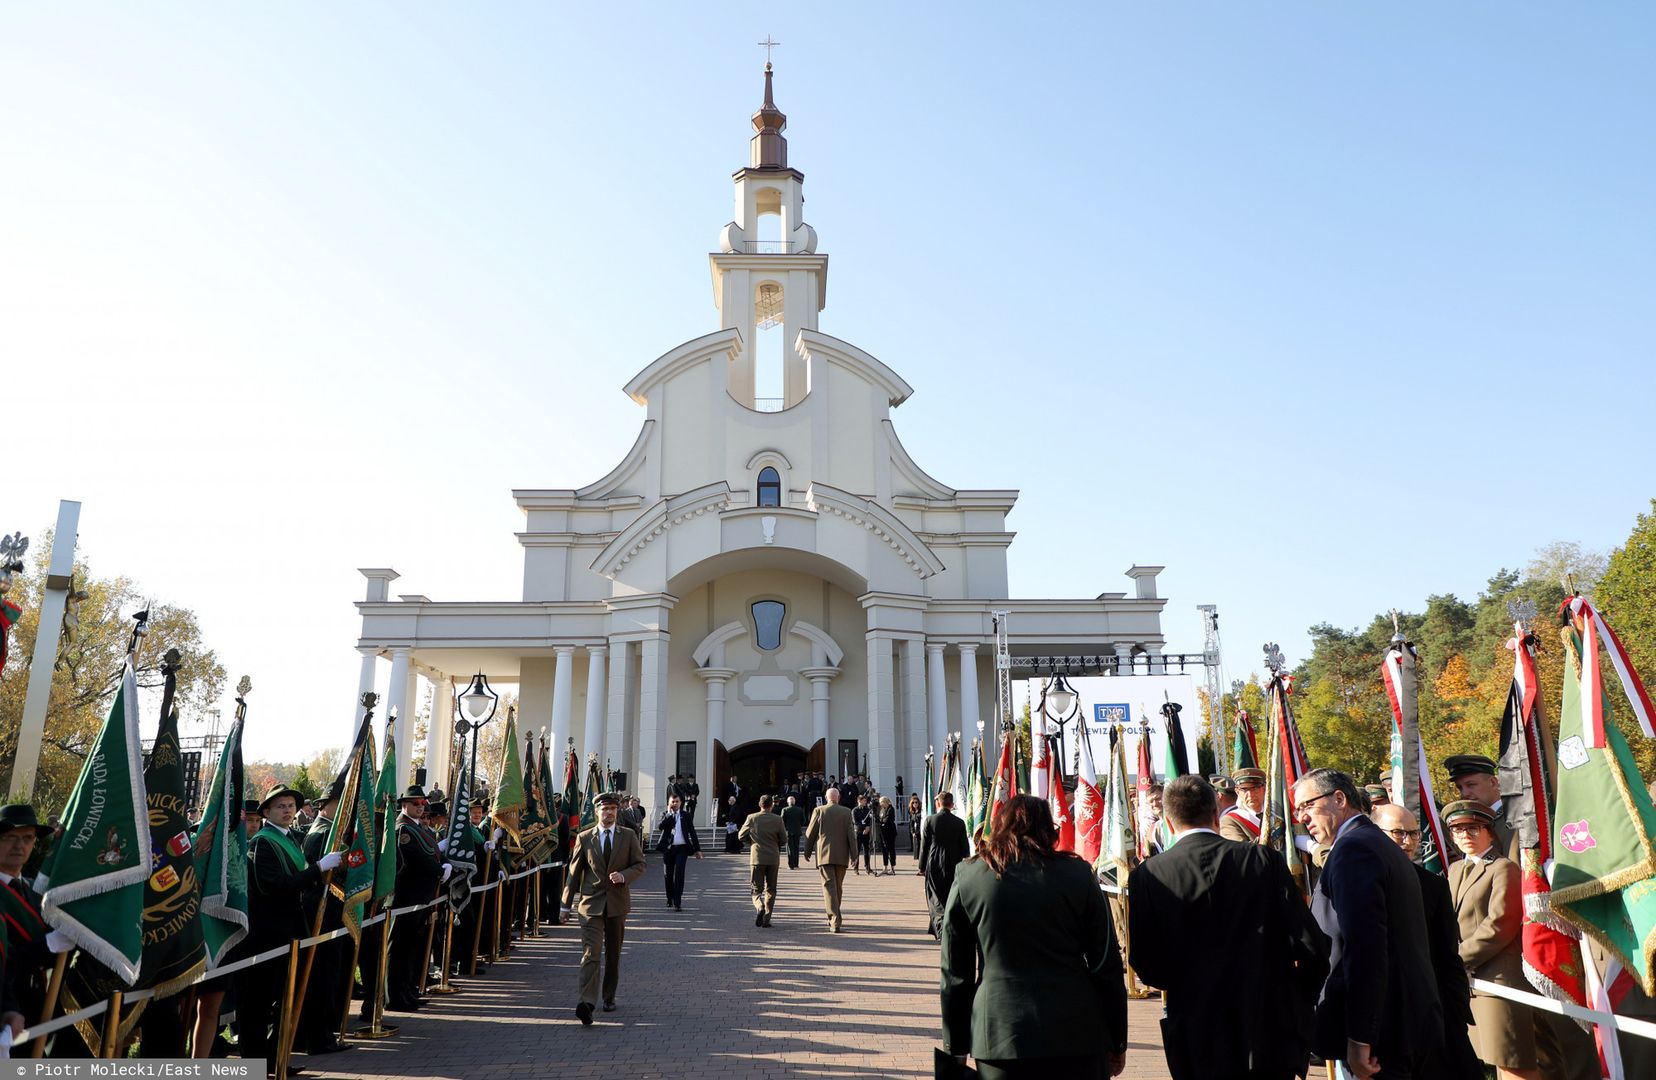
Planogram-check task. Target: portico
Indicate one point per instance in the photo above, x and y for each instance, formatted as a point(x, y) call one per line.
point(757, 579)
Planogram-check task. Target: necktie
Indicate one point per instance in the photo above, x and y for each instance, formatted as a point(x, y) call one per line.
point(606, 847)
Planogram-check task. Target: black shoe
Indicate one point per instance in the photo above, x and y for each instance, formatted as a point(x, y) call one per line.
point(678, 907)
point(767, 920)
point(331, 1046)
point(609, 1006)
point(584, 1011)
point(759, 919)
point(669, 903)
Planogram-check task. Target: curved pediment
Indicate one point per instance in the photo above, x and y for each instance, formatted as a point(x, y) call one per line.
point(879, 521)
point(658, 519)
point(721, 345)
point(813, 343)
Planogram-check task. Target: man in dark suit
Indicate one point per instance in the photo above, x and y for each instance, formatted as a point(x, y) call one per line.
point(677, 841)
point(606, 861)
point(1455, 1059)
point(793, 819)
point(1209, 897)
point(942, 847)
point(1379, 1009)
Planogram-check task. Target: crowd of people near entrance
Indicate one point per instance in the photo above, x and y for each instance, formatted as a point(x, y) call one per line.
point(878, 818)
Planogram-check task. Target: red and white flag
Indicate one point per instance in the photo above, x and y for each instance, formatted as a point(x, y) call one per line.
point(1146, 815)
point(1006, 780)
point(1089, 806)
point(1055, 797)
point(1595, 632)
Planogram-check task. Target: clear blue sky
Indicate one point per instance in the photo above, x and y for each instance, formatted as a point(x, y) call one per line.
point(1322, 307)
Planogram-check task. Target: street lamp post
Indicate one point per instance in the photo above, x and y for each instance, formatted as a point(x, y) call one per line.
point(1060, 704)
point(477, 708)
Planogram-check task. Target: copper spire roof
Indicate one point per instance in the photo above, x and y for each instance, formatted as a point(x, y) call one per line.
point(770, 149)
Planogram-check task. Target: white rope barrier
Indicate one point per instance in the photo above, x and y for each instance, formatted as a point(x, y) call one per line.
point(1644, 1029)
point(246, 962)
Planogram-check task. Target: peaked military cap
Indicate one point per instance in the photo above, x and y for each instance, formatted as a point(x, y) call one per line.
point(608, 798)
point(1376, 793)
point(1222, 784)
point(1468, 765)
point(1245, 777)
point(1468, 810)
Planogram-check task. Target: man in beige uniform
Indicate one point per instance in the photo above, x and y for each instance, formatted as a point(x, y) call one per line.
point(832, 839)
point(608, 857)
point(767, 834)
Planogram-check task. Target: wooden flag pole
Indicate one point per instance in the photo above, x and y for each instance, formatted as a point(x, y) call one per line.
point(292, 1028)
point(286, 1019)
point(112, 1027)
point(535, 902)
point(376, 1028)
point(425, 957)
point(443, 986)
point(356, 954)
point(495, 951)
point(477, 926)
point(53, 988)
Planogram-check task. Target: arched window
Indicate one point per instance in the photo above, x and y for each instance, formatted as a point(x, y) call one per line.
point(770, 487)
point(767, 624)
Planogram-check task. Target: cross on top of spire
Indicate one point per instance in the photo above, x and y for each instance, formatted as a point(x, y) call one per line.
point(768, 45)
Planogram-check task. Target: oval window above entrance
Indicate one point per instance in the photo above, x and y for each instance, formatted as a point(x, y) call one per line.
point(767, 624)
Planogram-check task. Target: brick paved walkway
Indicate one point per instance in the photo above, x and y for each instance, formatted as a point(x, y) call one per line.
point(705, 994)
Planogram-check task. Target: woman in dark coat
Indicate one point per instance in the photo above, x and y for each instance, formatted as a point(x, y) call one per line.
point(888, 835)
point(1048, 999)
point(915, 817)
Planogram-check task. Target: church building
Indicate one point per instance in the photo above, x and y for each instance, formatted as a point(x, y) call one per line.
point(763, 584)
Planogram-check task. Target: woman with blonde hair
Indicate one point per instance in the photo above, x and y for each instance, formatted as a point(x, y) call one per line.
point(886, 822)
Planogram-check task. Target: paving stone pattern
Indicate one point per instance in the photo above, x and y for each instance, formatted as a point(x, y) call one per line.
point(705, 994)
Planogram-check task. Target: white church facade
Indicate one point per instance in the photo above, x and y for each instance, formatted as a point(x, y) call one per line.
point(760, 586)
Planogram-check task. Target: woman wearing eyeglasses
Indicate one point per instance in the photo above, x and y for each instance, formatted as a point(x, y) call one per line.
point(1489, 906)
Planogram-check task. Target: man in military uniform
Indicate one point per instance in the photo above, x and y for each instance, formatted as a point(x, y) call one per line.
point(1225, 790)
point(1243, 822)
point(692, 792)
point(1475, 777)
point(606, 860)
point(278, 878)
point(766, 832)
point(793, 819)
point(420, 870)
point(330, 971)
point(1378, 796)
point(27, 955)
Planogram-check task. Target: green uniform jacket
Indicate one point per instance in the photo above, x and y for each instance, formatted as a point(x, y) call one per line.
point(768, 836)
point(1051, 979)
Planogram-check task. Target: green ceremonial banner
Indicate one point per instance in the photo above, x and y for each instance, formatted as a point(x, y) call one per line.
point(508, 795)
point(595, 785)
point(1242, 755)
point(1604, 872)
point(463, 851)
point(352, 832)
point(572, 807)
point(385, 798)
point(977, 795)
point(553, 804)
point(221, 855)
point(92, 883)
point(537, 836)
point(174, 950)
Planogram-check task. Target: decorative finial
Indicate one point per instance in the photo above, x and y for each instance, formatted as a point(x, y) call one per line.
point(1397, 627)
point(1237, 686)
point(1522, 611)
point(1274, 659)
point(768, 45)
point(244, 687)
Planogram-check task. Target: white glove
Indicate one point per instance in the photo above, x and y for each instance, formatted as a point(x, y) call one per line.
point(499, 834)
point(565, 912)
point(447, 870)
point(442, 845)
point(488, 845)
point(500, 875)
point(58, 941)
point(329, 861)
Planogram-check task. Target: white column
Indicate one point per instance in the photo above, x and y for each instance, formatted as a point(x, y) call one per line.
point(715, 678)
point(398, 696)
point(937, 692)
point(1158, 664)
point(882, 718)
point(563, 693)
point(442, 722)
point(54, 600)
point(365, 685)
point(969, 711)
point(1124, 659)
point(619, 716)
point(592, 737)
point(437, 735)
point(648, 778)
point(916, 710)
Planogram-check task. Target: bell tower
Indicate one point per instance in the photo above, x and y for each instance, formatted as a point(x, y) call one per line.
point(767, 273)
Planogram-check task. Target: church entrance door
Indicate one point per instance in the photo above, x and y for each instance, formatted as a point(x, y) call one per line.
point(763, 767)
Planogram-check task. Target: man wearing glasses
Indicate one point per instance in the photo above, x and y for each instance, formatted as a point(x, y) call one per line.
point(1456, 1057)
point(1379, 1010)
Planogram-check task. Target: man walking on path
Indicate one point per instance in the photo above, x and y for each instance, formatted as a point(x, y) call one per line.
point(793, 819)
point(766, 833)
point(942, 847)
point(607, 859)
point(678, 841)
point(832, 839)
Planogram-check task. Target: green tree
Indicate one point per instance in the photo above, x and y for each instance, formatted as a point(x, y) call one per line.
point(1627, 596)
point(303, 784)
point(90, 658)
